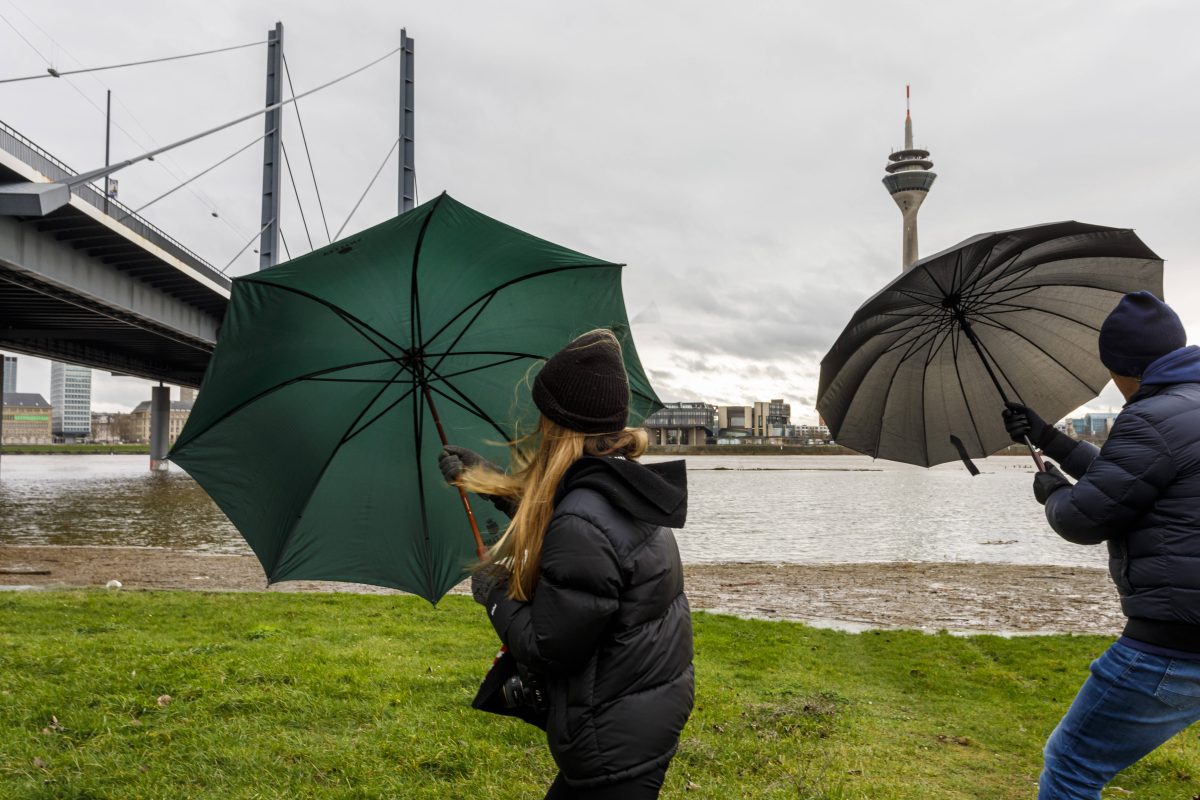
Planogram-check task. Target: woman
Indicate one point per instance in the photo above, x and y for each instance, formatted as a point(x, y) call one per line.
point(589, 598)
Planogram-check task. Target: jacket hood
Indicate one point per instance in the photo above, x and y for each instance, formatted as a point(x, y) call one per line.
point(654, 493)
point(1177, 366)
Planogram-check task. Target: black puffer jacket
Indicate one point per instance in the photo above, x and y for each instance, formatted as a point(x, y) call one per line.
point(608, 627)
point(1141, 494)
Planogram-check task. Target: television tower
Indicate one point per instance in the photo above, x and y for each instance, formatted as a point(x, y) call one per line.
point(908, 181)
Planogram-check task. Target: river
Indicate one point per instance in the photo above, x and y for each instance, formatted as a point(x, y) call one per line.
point(789, 509)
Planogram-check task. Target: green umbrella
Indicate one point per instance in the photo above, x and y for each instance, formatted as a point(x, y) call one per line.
point(317, 426)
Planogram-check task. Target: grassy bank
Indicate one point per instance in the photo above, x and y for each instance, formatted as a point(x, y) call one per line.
point(275, 695)
point(74, 449)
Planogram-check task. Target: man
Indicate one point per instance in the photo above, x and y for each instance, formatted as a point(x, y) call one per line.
point(1140, 493)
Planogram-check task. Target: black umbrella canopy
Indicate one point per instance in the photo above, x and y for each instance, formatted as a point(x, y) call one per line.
point(904, 376)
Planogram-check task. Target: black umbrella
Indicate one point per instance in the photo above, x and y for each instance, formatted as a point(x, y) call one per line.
point(922, 370)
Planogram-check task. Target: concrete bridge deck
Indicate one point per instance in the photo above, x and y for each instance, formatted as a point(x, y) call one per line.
point(92, 283)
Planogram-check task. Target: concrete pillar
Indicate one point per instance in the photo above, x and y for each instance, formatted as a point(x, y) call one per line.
point(160, 422)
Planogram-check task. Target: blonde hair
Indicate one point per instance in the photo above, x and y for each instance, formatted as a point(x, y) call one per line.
point(539, 462)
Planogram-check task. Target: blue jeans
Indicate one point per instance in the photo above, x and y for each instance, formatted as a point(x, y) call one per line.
point(1131, 703)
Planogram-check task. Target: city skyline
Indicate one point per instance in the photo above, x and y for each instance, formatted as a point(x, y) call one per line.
point(751, 235)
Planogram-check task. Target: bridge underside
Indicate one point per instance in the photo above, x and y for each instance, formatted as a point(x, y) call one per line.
point(40, 319)
point(92, 283)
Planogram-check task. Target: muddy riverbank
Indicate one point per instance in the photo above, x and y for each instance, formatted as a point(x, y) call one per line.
point(998, 598)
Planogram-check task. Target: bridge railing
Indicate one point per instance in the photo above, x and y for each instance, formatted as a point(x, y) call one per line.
point(30, 153)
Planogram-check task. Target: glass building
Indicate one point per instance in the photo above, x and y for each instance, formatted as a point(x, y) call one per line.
point(71, 401)
point(10, 373)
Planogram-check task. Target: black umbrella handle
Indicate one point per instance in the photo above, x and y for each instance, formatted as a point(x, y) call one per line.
point(1037, 457)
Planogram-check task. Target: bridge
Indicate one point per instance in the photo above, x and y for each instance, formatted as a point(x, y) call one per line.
point(86, 280)
point(92, 283)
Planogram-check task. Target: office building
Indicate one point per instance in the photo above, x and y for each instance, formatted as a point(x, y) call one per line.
point(71, 402)
point(682, 423)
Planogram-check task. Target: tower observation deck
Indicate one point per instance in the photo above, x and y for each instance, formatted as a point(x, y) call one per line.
point(908, 181)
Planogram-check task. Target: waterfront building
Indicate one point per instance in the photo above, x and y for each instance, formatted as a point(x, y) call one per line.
point(26, 419)
point(734, 423)
point(682, 423)
point(809, 434)
point(10, 374)
point(139, 423)
point(770, 419)
point(112, 428)
point(71, 402)
point(908, 181)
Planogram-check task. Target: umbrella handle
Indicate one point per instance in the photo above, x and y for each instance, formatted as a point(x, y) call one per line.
point(1037, 458)
point(480, 549)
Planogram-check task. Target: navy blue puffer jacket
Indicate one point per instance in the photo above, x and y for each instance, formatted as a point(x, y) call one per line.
point(1140, 493)
point(608, 628)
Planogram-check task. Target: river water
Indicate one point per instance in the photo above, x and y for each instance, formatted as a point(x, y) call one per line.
point(794, 509)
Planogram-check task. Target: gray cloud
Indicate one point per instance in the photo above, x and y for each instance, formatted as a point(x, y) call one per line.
point(731, 155)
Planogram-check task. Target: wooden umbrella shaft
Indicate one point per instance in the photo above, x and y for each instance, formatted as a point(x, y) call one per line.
point(970, 332)
point(480, 549)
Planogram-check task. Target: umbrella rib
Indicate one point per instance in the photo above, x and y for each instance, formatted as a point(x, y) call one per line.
point(936, 283)
point(1064, 367)
point(463, 332)
point(933, 299)
point(1011, 308)
point(351, 380)
point(184, 442)
point(353, 321)
point(377, 417)
point(483, 367)
point(985, 299)
point(287, 540)
point(469, 406)
point(521, 279)
point(887, 396)
point(933, 324)
point(414, 299)
point(419, 430)
point(962, 387)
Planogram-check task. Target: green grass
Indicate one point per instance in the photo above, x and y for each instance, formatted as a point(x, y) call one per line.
point(343, 696)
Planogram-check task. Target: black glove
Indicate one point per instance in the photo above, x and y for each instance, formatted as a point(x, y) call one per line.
point(454, 459)
point(486, 580)
point(1021, 421)
point(1048, 482)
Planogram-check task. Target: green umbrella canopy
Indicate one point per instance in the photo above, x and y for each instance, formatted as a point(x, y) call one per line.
point(313, 430)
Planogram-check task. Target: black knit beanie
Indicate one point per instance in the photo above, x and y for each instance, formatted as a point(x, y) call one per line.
point(1140, 330)
point(583, 387)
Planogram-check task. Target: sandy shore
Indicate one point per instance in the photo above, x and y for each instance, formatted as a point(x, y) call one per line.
point(956, 597)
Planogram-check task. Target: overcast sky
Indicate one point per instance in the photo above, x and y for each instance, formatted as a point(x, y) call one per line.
point(730, 154)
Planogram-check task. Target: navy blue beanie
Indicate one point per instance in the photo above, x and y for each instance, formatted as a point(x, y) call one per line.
point(1140, 330)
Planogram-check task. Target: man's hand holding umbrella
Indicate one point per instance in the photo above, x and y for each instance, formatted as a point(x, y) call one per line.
point(1023, 424)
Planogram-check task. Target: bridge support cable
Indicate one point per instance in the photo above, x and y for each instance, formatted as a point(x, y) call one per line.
point(286, 250)
point(171, 191)
point(287, 162)
point(88, 177)
point(386, 158)
point(308, 154)
point(245, 246)
point(51, 72)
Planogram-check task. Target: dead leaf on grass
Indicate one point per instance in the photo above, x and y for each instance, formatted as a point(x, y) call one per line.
point(164, 699)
